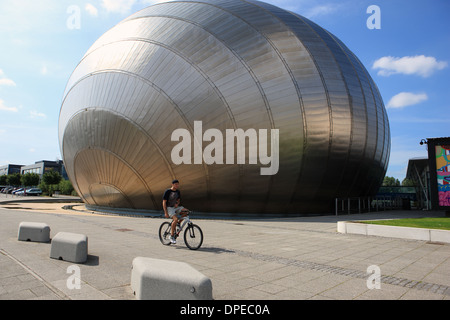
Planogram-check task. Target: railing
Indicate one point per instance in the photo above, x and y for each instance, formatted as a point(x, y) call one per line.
point(370, 204)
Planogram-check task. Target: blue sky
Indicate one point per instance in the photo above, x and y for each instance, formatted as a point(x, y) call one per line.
point(409, 58)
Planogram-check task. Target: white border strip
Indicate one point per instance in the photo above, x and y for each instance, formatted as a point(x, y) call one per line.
point(433, 235)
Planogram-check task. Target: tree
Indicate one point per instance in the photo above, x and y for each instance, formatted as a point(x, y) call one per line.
point(3, 180)
point(13, 179)
point(50, 182)
point(30, 179)
point(390, 182)
point(408, 183)
point(51, 177)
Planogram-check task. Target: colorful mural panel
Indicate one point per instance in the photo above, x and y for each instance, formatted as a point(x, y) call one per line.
point(443, 174)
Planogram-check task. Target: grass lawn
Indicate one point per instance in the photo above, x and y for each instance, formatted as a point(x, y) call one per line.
point(427, 223)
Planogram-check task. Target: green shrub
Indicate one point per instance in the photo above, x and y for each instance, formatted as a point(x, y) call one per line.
point(65, 187)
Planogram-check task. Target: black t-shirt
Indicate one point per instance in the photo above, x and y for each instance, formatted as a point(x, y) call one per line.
point(171, 197)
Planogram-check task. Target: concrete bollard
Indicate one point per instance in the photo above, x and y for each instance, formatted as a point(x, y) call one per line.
point(155, 279)
point(68, 246)
point(34, 231)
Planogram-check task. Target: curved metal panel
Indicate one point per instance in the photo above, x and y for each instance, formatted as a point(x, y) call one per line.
point(228, 65)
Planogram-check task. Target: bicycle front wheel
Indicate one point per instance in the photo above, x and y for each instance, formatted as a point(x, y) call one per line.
point(165, 233)
point(193, 237)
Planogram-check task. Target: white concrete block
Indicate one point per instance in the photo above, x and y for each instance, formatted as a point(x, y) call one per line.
point(155, 279)
point(422, 234)
point(341, 227)
point(440, 235)
point(69, 246)
point(398, 232)
point(357, 228)
point(34, 231)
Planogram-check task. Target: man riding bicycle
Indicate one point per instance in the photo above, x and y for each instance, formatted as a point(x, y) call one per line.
point(172, 208)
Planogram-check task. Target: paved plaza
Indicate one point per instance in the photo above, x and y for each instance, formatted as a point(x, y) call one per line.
point(278, 259)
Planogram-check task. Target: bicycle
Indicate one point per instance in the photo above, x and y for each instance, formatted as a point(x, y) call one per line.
point(193, 235)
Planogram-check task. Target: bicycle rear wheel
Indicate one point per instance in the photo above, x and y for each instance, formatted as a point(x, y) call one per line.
point(193, 237)
point(165, 233)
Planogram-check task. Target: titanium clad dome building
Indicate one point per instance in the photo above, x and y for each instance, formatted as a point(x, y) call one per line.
point(221, 65)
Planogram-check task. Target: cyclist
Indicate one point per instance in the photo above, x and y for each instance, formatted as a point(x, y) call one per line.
point(172, 207)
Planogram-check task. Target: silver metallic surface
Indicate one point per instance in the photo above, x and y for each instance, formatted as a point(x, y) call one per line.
point(230, 64)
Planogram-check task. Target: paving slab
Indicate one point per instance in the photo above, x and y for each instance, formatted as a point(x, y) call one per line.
point(298, 258)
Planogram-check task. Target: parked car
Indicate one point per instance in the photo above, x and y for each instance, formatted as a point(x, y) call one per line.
point(33, 192)
point(9, 190)
point(16, 191)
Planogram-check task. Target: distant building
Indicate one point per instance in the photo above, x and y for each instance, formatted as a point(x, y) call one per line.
point(43, 166)
point(419, 172)
point(10, 169)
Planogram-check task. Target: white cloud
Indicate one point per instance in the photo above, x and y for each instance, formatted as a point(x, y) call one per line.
point(118, 6)
point(404, 99)
point(320, 10)
point(3, 107)
point(91, 9)
point(44, 70)
point(35, 114)
point(5, 81)
point(419, 65)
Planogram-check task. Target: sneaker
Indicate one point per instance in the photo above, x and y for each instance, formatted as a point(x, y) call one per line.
point(172, 240)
